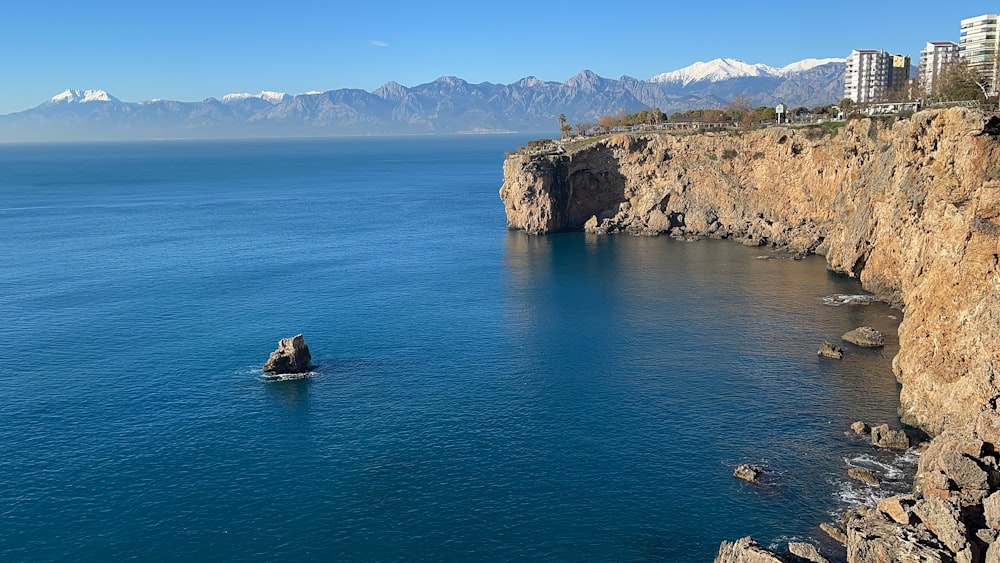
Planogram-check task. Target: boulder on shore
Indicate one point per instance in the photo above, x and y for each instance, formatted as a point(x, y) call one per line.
point(806, 551)
point(860, 428)
point(865, 336)
point(748, 472)
point(884, 437)
point(292, 356)
point(745, 550)
point(830, 350)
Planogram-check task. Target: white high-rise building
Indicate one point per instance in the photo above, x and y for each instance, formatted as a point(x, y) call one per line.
point(933, 59)
point(868, 75)
point(978, 45)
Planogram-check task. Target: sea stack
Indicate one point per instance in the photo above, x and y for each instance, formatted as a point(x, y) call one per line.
point(292, 356)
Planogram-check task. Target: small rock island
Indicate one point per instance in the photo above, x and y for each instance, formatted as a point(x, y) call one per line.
point(291, 358)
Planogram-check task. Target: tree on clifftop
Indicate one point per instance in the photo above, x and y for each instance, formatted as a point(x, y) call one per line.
point(958, 81)
point(564, 127)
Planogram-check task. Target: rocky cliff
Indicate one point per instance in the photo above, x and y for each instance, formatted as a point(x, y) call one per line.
point(912, 210)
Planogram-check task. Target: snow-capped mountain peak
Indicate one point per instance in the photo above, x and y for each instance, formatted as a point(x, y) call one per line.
point(714, 71)
point(718, 70)
point(806, 64)
point(267, 96)
point(70, 96)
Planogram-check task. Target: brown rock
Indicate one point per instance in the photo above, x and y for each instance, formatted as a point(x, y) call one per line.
point(865, 336)
point(863, 475)
point(874, 539)
point(885, 437)
point(899, 508)
point(905, 210)
point(748, 472)
point(829, 350)
point(806, 551)
point(860, 428)
point(745, 550)
point(291, 357)
point(964, 471)
point(942, 518)
point(993, 553)
point(834, 532)
point(933, 484)
point(991, 511)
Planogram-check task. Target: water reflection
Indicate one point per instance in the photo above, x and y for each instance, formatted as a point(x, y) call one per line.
point(293, 394)
point(684, 358)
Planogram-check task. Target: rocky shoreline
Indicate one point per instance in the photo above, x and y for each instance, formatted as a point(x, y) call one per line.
point(911, 209)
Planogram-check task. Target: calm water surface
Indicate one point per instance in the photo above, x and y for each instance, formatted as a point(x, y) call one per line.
point(479, 394)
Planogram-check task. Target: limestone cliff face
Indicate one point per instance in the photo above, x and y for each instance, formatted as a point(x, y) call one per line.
point(913, 211)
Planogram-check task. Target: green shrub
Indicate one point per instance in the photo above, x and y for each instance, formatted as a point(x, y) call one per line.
point(993, 175)
point(758, 155)
point(728, 154)
point(538, 144)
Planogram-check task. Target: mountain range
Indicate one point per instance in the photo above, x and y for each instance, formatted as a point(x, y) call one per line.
point(446, 105)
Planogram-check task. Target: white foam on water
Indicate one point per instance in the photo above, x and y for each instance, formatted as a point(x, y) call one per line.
point(274, 377)
point(866, 461)
point(838, 299)
point(855, 494)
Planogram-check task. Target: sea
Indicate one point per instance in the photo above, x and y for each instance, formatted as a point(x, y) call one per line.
point(477, 394)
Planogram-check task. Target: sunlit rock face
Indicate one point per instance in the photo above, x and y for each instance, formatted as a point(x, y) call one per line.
point(912, 210)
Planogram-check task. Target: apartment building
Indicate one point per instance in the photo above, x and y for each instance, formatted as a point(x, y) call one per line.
point(933, 58)
point(871, 73)
point(899, 74)
point(978, 45)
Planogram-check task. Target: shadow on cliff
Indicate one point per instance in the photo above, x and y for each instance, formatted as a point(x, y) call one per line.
point(589, 185)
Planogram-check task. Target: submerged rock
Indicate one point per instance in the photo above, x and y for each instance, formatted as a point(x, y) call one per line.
point(830, 350)
point(748, 472)
point(291, 357)
point(864, 475)
point(866, 337)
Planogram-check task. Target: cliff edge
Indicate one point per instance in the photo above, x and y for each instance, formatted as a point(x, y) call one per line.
point(913, 211)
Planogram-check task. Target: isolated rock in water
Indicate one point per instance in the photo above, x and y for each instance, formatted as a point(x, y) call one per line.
point(829, 350)
point(884, 437)
point(866, 337)
point(748, 472)
point(292, 356)
point(745, 550)
point(863, 475)
point(860, 428)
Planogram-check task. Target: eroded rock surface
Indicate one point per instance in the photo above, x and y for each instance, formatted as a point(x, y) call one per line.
point(912, 211)
point(746, 550)
point(830, 350)
point(291, 357)
point(748, 472)
point(885, 437)
point(866, 337)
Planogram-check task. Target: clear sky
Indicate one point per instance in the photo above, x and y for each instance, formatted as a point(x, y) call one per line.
point(190, 50)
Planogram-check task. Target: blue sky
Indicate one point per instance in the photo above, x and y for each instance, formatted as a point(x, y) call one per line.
point(191, 50)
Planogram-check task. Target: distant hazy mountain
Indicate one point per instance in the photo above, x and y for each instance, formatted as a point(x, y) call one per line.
point(446, 105)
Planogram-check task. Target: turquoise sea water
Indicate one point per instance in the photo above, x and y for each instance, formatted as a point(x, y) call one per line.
point(478, 394)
